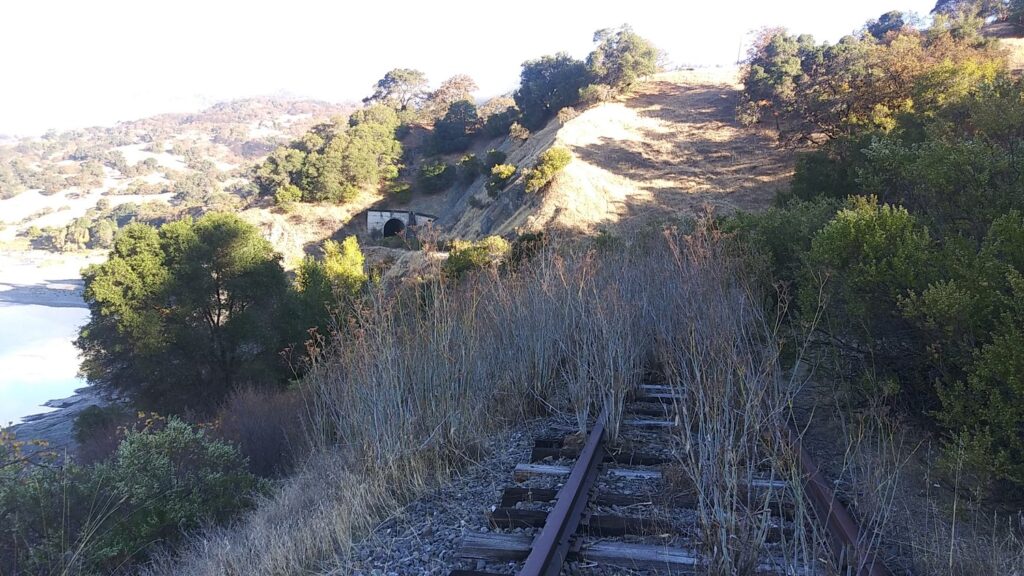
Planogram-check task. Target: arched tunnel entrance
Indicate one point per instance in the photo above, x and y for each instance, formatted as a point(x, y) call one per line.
point(393, 227)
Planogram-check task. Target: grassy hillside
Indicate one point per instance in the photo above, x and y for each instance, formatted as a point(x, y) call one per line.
point(155, 169)
point(861, 275)
point(666, 149)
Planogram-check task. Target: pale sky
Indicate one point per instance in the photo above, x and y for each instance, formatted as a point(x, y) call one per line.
point(76, 63)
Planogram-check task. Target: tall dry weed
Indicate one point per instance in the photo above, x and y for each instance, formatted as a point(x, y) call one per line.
point(410, 386)
point(718, 350)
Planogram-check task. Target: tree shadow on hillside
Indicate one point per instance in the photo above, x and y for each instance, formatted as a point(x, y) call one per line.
point(665, 101)
point(696, 155)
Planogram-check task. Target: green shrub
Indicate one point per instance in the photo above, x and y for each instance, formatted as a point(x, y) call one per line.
point(959, 186)
point(781, 236)
point(46, 516)
point(466, 256)
point(971, 322)
point(324, 285)
point(435, 177)
point(861, 265)
point(169, 481)
point(160, 483)
point(498, 124)
point(594, 94)
point(500, 175)
point(986, 409)
point(493, 158)
point(817, 174)
point(549, 163)
point(468, 168)
point(873, 253)
point(287, 194)
point(523, 248)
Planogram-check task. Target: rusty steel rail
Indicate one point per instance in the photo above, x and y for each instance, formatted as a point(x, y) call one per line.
point(553, 544)
point(844, 535)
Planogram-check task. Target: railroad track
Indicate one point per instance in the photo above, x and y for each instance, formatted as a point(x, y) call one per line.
point(565, 514)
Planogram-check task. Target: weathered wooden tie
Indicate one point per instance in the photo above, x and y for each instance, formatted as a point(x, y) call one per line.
point(539, 453)
point(595, 524)
point(658, 398)
point(511, 496)
point(657, 389)
point(650, 422)
point(524, 472)
point(493, 547)
point(651, 411)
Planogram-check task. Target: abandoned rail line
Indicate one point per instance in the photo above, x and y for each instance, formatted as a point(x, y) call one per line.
point(582, 505)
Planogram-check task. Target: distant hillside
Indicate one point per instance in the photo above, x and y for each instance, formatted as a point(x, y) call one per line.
point(67, 191)
point(663, 151)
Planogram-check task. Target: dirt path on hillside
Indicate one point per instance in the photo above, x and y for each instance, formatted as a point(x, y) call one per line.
point(665, 151)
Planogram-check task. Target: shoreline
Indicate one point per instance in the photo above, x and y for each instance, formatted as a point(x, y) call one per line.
point(57, 427)
point(62, 294)
point(40, 278)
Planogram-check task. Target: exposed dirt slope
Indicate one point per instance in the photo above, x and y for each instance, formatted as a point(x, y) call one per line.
point(662, 152)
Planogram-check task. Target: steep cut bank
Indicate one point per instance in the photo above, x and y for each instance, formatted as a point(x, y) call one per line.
point(665, 150)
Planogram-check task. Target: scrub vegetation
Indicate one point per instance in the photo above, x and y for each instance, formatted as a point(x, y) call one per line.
point(272, 418)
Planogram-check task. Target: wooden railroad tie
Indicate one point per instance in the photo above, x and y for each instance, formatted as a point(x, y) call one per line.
point(625, 458)
point(594, 524)
point(526, 471)
point(495, 547)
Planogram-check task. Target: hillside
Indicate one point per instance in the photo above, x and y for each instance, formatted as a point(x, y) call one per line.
point(813, 264)
point(154, 169)
point(665, 150)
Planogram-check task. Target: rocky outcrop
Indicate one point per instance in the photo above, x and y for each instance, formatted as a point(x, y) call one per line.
point(56, 428)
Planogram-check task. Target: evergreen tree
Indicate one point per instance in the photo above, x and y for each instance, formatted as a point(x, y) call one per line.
point(182, 315)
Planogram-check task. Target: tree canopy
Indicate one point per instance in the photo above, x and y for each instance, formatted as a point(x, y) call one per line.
point(453, 133)
point(547, 85)
point(335, 280)
point(917, 282)
point(621, 57)
point(183, 314)
point(1000, 9)
point(401, 88)
point(458, 88)
point(823, 91)
point(889, 22)
point(333, 162)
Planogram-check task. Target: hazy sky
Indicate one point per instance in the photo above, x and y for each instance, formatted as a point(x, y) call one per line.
point(74, 63)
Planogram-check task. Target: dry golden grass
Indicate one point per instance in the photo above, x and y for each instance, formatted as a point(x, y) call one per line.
point(408, 388)
point(299, 229)
point(1015, 53)
point(665, 150)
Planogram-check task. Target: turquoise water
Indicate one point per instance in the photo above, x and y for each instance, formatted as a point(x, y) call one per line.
point(38, 361)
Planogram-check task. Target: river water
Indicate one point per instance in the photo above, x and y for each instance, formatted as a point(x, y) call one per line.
point(38, 360)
